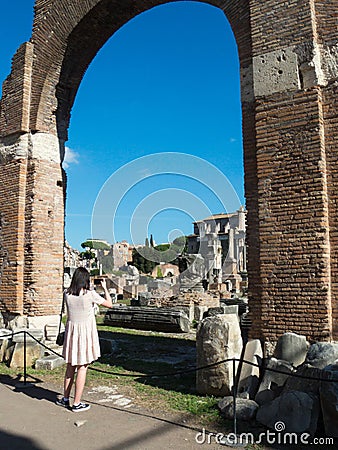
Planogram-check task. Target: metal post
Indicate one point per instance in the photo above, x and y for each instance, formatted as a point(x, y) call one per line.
point(24, 359)
point(234, 394)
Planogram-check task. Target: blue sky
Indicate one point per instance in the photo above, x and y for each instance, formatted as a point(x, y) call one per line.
point(166, 82)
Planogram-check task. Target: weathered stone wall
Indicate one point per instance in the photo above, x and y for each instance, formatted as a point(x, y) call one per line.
point(31, 225)
point(186, 299)
point(289, 66)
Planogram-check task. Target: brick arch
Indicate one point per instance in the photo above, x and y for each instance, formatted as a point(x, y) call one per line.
point(62, 59)
point(289, 101)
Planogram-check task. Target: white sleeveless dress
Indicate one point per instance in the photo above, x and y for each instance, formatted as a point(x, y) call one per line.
point(81, 344)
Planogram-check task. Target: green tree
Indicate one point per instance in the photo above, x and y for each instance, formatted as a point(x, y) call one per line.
point(87, 255)
point(95, 245)
point(147, 257)
point(181, 243)
point(107, 262)
point(143, 259)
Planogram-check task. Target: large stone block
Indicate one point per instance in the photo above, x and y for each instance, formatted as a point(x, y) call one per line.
point(49, 362)
point(5, 333)
point(276, 71)
point(231, 309)
point(218, 338)
point(32, 334)
point(52, 330)
point(329, 401)
point(322, 354)
point(17, 322)
point(199, 312)
point(291, 347)
point(249, 377)
point(245, 409)
point(148, 318)
point(34, 351)
point(5, 340)
point(42, 321)
point(307, 381)
point(273, 382)
point(297, 410)
point(188, 311)
point(4, 345)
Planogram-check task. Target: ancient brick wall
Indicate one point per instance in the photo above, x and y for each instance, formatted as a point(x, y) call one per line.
point(44, 232)
point(289, 66)
point(293, 227)
point(331, 125)
point(327, 36)
point(291, 288)
point(12, 215)
point(31, 228)
point(15, 102)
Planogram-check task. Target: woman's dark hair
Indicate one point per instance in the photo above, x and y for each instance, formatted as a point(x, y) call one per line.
point(79, 281)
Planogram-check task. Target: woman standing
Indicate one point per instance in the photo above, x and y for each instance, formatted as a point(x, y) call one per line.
point(81, 344)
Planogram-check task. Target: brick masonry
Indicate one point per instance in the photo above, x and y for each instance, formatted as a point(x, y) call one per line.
point(31, 226)
point(288, 55)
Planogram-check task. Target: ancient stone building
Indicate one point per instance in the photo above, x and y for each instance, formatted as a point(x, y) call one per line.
point(122, 254)
point(288, 54)
point(220, 240)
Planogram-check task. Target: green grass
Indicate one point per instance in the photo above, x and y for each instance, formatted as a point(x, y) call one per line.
point(169, 394)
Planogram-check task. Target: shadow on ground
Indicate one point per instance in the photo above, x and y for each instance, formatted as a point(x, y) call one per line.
point(31, 389)
point(14, 442)
point(157, 357)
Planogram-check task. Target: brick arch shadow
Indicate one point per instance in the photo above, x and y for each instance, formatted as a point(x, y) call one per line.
point(289, 103)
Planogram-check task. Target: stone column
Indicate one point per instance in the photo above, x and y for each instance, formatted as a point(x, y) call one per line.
point(32, 227)
point(13, 177)
point(45, 229)
point(231, 251)
point(294, 260)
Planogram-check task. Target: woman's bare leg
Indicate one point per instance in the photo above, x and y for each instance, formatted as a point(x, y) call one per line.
point(80, 382)
point(69, 380)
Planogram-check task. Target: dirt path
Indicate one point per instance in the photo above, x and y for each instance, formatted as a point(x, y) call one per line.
point(29, 419)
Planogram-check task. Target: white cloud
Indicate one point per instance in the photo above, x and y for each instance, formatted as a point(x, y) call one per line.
point(233, 140)
point(71, 157)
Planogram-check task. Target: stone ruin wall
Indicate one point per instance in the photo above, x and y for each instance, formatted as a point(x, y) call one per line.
point(289, 66)
point(186, 299)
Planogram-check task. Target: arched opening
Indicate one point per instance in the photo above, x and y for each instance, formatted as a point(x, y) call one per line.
point(158, 85)
point(168, 80)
